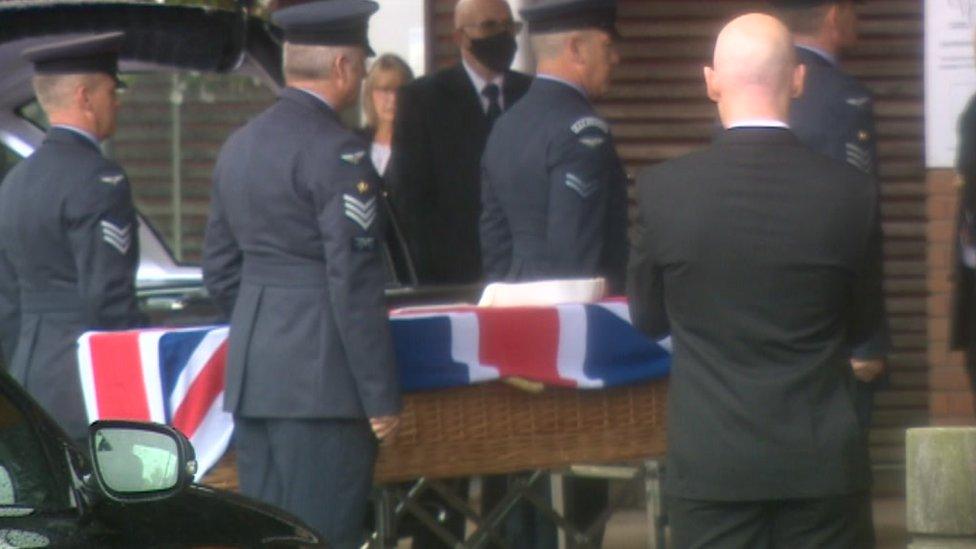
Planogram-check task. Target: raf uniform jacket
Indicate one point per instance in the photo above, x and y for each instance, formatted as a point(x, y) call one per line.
point(68, 257)
point(293, 249)
point(440, 134)
point(763, 295)
point(554, 197)
point(835, 117)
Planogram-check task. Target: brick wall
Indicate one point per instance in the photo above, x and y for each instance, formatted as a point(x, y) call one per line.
point(950, 398)
point(212, 107)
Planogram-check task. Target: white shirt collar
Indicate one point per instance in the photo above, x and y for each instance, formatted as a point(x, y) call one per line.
point(479, 84)
point(564, 82)
point(87, 135)
point(317, 96)
point(759, 123)
point(832, 59)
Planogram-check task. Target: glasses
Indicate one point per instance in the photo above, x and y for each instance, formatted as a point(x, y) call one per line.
point(490, 27)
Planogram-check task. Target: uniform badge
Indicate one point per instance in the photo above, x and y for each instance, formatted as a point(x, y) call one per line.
point(858, 101)
point(589, 122)
point(363, 243)
point(592, 142)
point(582, 188)
point(362, 187)
point(362, 213)
point(353, 158)
point(117, 236)
point(863, 136)
point(112, 179)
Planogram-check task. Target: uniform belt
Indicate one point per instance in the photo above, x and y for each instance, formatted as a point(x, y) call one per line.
point(284, 274)
point(50, 301)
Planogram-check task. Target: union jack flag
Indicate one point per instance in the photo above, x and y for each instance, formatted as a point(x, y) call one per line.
point(173, 376)
point(176, 376)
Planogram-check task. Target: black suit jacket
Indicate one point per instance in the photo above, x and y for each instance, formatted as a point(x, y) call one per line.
point(756, 255)
point(963, 334)
point(440, 134)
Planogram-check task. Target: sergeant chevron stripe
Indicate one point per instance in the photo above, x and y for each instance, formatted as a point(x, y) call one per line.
point(117, 237)
point(581, 187)
point(362, 213)
point(859, 157)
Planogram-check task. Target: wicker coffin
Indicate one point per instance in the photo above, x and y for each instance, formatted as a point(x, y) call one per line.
point(495, 428)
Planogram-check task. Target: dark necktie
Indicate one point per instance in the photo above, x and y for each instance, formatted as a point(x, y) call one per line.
point(491, 92)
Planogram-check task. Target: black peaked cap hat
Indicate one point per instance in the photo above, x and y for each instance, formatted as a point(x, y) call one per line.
point(547, 16)
point(327, 23)
point(85, 54)
point(803, 3)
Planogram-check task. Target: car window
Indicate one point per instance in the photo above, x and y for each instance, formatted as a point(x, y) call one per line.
point(8, 159)
point(26, 476)
point(169, 131)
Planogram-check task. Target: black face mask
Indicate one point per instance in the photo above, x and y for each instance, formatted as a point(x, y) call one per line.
point(496, 51)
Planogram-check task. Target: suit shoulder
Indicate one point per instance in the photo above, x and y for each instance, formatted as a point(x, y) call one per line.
point(519, 79)
point(430, 83)
point(675, 167)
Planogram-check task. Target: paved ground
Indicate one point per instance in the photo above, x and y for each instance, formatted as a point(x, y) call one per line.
point(628, 530)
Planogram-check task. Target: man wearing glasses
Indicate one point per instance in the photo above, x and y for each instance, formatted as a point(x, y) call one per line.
point(68, 229)
point(443, 121)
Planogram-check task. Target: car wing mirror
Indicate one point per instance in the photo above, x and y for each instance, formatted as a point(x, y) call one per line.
point(136, 461)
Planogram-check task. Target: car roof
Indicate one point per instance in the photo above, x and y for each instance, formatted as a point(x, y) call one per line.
point(161, 35)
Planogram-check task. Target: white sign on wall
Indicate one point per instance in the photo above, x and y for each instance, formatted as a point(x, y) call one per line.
point(950, 75)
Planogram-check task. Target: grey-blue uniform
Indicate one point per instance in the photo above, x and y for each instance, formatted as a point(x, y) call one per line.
point(293, 252)
point(554, 198)
point(835, 116)
point(554, 205)
point(68, 245)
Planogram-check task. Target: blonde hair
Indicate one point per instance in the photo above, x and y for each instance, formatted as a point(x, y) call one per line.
point(385, 64)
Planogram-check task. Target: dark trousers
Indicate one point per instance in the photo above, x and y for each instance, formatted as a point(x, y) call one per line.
point(320, 470)
point(526, 527)
point(823, 523)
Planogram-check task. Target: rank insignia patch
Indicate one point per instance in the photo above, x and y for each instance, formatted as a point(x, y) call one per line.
point(116, 236)
point(362, 187)
point(589, 122)
point(582, 188)
point(353, 158)
point(362, 213)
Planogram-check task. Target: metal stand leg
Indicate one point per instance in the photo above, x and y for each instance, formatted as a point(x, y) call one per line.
point(652, 498)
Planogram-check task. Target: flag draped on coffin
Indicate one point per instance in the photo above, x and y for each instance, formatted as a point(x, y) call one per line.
point(176, 376)
point(574, 345)
point(171, 376)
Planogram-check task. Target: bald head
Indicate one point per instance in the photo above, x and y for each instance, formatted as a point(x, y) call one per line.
point(473, 12)
point(754, 72)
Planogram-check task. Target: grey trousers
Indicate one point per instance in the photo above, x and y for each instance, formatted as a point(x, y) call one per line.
point(320, 470)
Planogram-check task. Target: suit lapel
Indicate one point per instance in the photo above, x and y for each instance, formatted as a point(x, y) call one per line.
point(464, 97)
